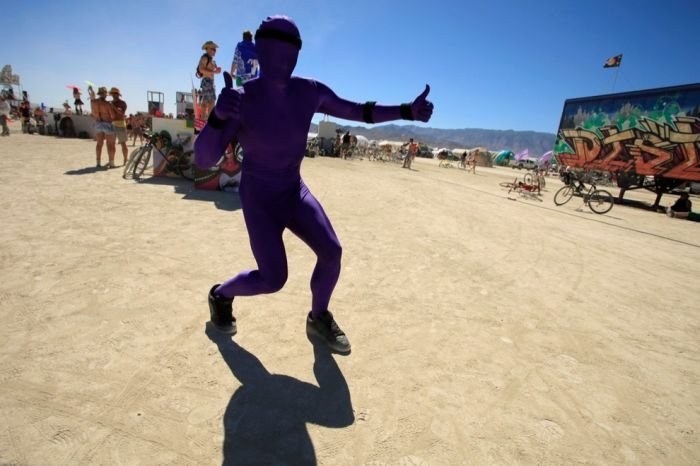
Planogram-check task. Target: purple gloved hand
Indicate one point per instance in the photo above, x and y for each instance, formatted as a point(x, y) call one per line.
point(422, 108)
point(228, 105)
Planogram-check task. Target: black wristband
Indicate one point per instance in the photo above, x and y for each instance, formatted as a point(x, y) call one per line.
point(367, 112)
point(406, 113)
point(215, 121)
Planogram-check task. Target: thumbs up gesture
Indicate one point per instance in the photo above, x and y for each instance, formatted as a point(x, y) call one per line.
point(228, 105)
point(422, 108)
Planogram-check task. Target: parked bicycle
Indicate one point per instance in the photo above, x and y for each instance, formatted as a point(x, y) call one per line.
point(528, 190)
point(599, 201)
point(536, 176)
point(445, 160)
point(174, 158)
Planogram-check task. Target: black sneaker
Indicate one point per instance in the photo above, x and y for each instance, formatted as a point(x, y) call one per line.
point(221, 312)
point(325, 328)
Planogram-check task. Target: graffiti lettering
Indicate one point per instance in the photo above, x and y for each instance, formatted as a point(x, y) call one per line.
point(651, 148)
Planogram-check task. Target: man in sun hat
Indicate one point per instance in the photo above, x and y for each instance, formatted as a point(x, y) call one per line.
point(104, 114)
point(206, 69)
point(271, 116)
point(120, 122)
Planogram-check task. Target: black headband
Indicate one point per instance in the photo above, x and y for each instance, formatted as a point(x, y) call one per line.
point(278, 35)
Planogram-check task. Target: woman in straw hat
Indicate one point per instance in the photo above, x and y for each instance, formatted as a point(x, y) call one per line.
point(206, 70)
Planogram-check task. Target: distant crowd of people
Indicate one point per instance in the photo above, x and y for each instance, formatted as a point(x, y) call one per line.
point(33, 119)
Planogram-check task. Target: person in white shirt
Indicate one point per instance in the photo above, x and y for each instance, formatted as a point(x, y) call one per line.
point(5, 110)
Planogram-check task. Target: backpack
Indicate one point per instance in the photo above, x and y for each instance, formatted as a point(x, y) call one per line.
point(196, 70)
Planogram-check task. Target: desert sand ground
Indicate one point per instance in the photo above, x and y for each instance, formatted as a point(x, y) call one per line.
point(485, 330)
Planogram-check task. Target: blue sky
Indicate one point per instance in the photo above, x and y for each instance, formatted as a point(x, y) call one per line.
point(501, 64)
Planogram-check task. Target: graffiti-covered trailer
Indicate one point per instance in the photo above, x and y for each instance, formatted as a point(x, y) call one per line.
point(655, 132)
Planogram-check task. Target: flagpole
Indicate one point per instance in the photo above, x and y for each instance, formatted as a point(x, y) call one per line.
point(617, 70)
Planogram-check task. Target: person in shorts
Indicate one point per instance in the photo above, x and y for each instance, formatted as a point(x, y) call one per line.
point(410, 154)
point(104, 114)
point(207, 69)
point(345, 146)
point(120, 122)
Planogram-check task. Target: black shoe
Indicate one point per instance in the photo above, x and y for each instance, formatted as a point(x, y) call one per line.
point(221, 312)
point(325, 328)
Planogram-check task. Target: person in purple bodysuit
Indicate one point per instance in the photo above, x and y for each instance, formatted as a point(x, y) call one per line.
point(270, 116)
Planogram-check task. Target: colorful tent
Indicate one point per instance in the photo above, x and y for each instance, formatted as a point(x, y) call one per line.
point(503, 157)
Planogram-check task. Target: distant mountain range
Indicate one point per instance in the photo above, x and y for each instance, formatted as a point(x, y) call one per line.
point(492, 139)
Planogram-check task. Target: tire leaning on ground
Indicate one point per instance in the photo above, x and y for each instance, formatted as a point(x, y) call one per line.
point(601, 201)
point(131, 162)
point(185, 168)
point(564, 195)
point(141, 162)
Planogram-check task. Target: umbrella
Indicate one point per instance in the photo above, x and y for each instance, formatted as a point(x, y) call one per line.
point(72, 86)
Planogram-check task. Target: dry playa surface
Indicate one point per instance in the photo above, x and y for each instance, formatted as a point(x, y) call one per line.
point(485, 329)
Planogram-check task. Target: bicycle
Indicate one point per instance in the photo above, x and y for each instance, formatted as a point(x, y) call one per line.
point(524, 189)
point(141, 156)
point(175, 158)
point(598, 200)
point(536, 176)
point(445, 161)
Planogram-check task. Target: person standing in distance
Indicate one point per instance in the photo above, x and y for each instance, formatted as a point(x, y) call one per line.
point(410, 154)
point(120, 121)
point(244, 66)
point(104, 114)
point(206, 69)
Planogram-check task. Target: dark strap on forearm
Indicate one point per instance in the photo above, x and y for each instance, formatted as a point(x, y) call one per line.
point(368, 112)
point(215, 121)
point(406, 112)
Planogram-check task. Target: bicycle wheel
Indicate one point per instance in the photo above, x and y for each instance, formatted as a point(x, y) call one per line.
point(514, 186)
point(506, 184)
point(600, 201)
point(142, 162)
point(564, 195)
point(527, 179)
point(184, 165)
point(129, 166)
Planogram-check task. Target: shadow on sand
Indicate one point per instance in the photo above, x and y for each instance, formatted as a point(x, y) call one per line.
point(222, 200)
point(86, 170)
point(265, 420)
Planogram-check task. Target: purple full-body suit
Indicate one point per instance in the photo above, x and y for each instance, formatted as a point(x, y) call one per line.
point(270, 116)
